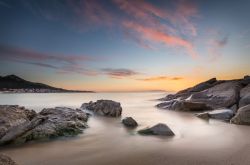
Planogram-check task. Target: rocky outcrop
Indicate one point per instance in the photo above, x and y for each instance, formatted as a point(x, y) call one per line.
point(183, 105)
point(104, 108)
point(220, 96)
point(6, 160)
point(212, 94)
point(244, 96)
point(220, 114)
point(184, 94)
point(129, 122)
point(19, 125)
point(243, 116)
point(159, 129)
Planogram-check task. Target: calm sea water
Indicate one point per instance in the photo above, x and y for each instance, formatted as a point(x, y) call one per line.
point(107, 142)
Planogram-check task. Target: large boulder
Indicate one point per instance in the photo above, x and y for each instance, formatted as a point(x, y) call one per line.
point(220, 114)
point(242, 116)
point(19, 125)
point(12, 116)
point(61, 121)
point(184, 105)
point(158, 129)
point(104, 108)
point(129, 122)
point(6, 160)
point(246, 80)
point(203, 86)
point(223, 95)
point(244, 96)
point(184, 94)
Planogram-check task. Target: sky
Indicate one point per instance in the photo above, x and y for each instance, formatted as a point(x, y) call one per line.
point(124, 45)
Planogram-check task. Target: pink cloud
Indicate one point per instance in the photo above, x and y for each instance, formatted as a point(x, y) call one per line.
point(151, 34)
point(172, 26)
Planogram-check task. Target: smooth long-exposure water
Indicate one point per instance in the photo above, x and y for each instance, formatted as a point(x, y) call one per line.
point(108, 142)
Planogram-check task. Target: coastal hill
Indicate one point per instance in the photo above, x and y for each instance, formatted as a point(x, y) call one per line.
point(13, 83)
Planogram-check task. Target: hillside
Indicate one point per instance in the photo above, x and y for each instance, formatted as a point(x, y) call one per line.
point(13, 83)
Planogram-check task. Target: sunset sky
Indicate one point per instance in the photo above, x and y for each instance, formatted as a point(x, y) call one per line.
point(124, 45)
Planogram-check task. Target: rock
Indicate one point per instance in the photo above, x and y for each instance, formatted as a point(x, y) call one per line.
point(104, 108)
point(204, 85)
point(182, 105)
point(242, 116)
point(166, 104)
point(6, 160)
point(234, 108)
point(203, 115)
point(129, 122)
point(220, 96)
point(220, 114)
point(17, 131)
point(19, 125)
point(244, 96)
point(246, 80)
point(12, 116)
point(159, 129)
point(61, 121)
point(184, 94)
point(190, 106)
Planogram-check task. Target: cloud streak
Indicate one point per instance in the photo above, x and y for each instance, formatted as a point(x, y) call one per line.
point(9, 52)
point(215, 47)
point(151, 34)
point(119, 73)
point(148, 24)
point(160, 78)
point(60, 63)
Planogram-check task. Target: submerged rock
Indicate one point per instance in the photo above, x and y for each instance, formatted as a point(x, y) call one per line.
point(159, 129)
point(129, 122)
point(242, 116)
point(19, 125)
point(104, 108)
point(6, 160)
point(220, 114)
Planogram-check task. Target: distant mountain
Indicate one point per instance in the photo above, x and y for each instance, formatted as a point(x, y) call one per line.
point(13, 83)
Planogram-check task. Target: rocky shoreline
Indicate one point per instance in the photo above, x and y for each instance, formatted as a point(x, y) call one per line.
point(227, 100)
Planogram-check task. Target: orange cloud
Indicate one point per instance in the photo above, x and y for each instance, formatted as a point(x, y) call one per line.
point(160, 78)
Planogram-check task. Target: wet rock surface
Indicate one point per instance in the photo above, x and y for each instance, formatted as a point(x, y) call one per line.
point(19, 125)
point(104, 108)
point(242, 116)
point(158, 129)
point(129, 122)
point(229, 95)
point(6, 160)
point(244, 96)
point(220, 114)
